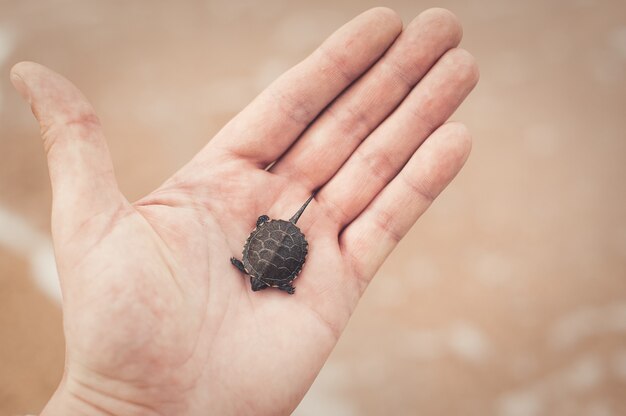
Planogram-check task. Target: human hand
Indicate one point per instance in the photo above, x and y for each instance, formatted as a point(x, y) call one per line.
point(157, 320)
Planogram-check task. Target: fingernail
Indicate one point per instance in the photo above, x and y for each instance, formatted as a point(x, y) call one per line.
point(20, 86)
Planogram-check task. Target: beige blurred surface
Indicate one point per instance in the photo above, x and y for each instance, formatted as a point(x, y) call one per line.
point(508, 297)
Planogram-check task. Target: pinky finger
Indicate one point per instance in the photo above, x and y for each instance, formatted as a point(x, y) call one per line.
point(369, 239)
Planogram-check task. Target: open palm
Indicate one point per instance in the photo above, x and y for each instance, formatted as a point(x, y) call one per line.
point(157, 320)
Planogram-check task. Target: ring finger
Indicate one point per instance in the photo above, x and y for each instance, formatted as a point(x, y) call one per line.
point(379, 158)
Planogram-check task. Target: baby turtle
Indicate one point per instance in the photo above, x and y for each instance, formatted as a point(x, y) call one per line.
point(274, 253)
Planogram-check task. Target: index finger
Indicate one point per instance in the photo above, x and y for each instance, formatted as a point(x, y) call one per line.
point(268, 126)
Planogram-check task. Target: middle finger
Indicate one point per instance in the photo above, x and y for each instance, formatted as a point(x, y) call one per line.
point(333, 137)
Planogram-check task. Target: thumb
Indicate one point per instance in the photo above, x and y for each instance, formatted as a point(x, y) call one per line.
point(81, 172)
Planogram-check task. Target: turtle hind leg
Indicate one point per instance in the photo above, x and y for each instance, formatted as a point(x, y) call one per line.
point(287, 287)
point(238, 264)
point(257, 284)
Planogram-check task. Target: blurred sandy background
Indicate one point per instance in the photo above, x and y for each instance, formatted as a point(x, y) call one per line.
point(509, 296)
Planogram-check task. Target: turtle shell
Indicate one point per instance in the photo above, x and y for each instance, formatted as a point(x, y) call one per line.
point(275, 252)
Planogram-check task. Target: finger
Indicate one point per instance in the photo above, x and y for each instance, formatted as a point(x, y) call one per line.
point(369, 239)
point(360, 109)
point(81, 173)
point(381, 156)
point(271, 123)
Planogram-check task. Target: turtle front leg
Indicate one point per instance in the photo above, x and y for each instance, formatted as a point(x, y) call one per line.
point(238, 264)
point(287, 287)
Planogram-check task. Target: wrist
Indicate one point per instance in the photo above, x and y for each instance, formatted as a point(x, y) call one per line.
point(76, 397)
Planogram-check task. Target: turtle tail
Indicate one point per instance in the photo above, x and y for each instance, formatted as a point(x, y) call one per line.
point(296, 216)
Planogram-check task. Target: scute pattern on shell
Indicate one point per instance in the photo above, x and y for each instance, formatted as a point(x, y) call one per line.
point(275, 252)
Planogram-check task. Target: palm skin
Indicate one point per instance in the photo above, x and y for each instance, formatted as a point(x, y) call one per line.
point(157, 320)
point(186, 314)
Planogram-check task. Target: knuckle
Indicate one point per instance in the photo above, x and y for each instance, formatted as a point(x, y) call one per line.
point(378, 163)
point(293, 107)
point(80, 126)
point(336, 63)
point(421, 188)
point(333, 210)
point(352, 123)
point(400, 71)
point(427, 121)
point(387, 223)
